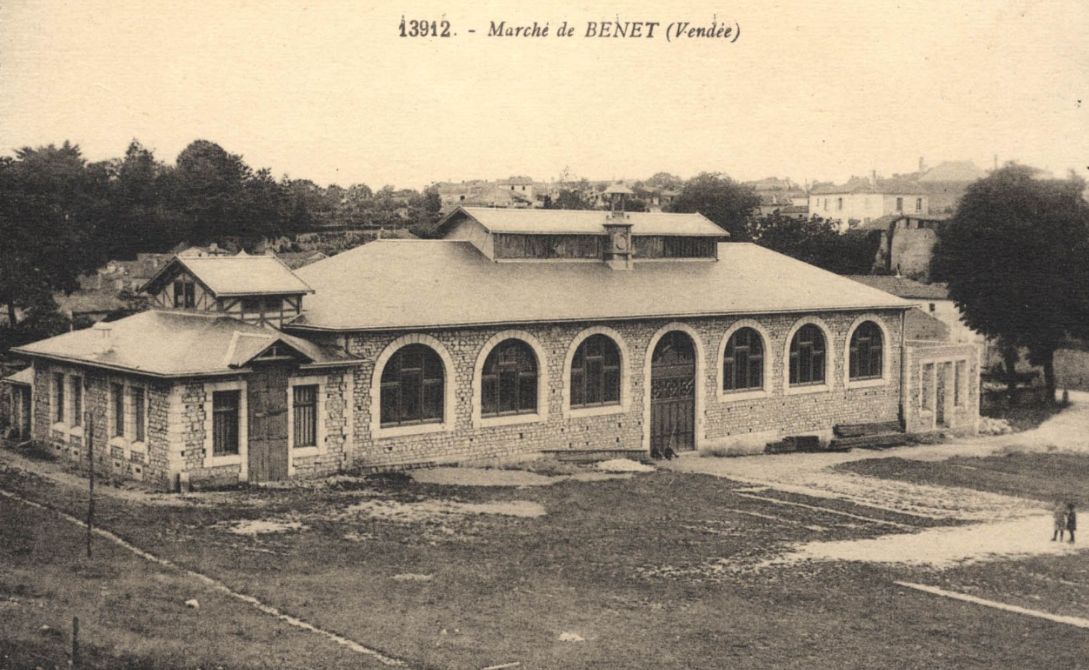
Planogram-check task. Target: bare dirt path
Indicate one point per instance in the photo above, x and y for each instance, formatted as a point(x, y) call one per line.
point(1006, 525)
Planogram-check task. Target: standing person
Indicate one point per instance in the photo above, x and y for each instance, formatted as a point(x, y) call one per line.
point(1060, 522)
point(1071, 520)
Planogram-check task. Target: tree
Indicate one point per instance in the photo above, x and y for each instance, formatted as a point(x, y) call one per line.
point(1014, 256)
point(721, 199)
point(52, 205)
point(209, 183)
point(665, 180)
point(818, 242)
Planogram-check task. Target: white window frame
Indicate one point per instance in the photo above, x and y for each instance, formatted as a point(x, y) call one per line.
point(319, 419)
point(541, 414)
point(621, 407)
point(769, 353)
point(886, 355)
point(449, 400)
point(829, 358)
point(240, 459)
point(71, 380)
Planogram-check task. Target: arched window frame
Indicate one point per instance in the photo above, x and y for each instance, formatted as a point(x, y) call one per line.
point(625, 362)
point(542, 381)
point(449, 400)
point(886, 354)
point(768, 367)
point(829, 358)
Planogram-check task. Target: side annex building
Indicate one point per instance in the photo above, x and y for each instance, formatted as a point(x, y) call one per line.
point(519, 332)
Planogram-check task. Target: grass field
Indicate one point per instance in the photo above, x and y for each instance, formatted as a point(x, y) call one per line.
point(660, 570)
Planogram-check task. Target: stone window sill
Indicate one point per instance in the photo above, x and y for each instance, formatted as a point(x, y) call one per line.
point(226, 459)
point(867, 383)
point(305, 452)
point(808, 388)
point(748, 394)
point(418, 429)
point(509, 420)
point(599, 410)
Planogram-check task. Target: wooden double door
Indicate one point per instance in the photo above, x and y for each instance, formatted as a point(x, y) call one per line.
point(266, 398)
point(673, 394)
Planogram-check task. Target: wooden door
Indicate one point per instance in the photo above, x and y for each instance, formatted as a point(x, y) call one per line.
point(267, 400)
point(673, 394)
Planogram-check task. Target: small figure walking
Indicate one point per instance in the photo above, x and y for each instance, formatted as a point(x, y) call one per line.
point(1071, 520)
point(1060, 522)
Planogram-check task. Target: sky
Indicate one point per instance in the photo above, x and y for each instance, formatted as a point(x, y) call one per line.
point(329, 91)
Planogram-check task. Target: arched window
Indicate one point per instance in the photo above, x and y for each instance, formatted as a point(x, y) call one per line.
point(595, 373)
point(866, 351)
point(807, 356)
point(743, 361)
point(412, 387)
point(508, 381)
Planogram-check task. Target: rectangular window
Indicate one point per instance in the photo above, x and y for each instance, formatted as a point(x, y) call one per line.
point(184, 293)
point(839, 204)
point(899, 204)
point(58, 400)
point(77, 400)
point(117, 402)
point(959, 375)
point(225, 409)
point(918, 204)
point(305, 416)
point(138, 414)
point(927, 386)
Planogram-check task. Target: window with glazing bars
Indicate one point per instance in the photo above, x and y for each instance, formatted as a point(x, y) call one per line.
point(743, 362)
point(225, 410)
point(595, 373)
point(117, 401)
point(412, 387)
point(866, 351)
point(77, 400)
point(138, 414)
point(305, 415)
point(807, 356)
point(58, 399)
point(508, 382)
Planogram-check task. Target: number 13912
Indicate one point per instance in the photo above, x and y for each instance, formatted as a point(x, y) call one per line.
point(424, 28)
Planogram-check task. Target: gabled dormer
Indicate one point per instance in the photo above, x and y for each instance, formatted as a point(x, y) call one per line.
point(254, 289)
point(616, 238)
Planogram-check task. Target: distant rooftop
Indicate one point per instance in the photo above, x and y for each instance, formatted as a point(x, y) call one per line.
point(894, 186)
point(903, 287)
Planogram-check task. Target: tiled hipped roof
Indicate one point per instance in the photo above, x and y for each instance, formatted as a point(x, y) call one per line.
point(176, 344)
point(391, 285)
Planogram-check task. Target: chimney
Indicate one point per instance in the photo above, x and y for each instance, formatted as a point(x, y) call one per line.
point(922, 164)
point(873, 178)
point(103, 337)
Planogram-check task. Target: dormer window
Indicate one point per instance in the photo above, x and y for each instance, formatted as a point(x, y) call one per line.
point(184, 293)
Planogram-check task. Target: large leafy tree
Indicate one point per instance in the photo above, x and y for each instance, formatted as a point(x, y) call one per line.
point(52, 211)
point(721, 199)
point(1016, 257)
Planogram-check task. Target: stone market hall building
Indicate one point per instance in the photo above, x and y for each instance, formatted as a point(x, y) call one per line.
point(519, 332)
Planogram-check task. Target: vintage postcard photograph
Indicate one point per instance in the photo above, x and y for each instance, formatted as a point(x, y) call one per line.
point(610, 334)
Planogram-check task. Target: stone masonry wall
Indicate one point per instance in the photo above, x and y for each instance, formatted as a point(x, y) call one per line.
point(926, 363)
point(116, 457)
point(720, 420)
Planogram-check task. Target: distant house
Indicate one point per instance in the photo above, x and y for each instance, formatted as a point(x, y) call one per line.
point(930, 299)
point(946, 182)
point(862, 200)
point(779, 195)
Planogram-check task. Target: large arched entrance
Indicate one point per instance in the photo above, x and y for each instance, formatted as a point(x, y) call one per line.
point(673, 394)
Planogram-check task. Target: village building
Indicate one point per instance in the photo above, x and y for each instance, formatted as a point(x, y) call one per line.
point(929, 299)
point(860, 200)
point(906, 246)
point(519, 332)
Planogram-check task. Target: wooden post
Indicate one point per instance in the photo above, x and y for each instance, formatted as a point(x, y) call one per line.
point(90, 482)
point(75, 643)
